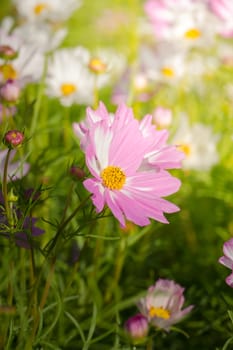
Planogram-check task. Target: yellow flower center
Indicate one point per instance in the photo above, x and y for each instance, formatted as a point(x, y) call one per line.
point(39, 8)
point(168, 72)
point(97, 66)
point(185, 148)
point(68, 89)
point(113, 177)
point(8, 71)
point(159, 312)
point(192, 34)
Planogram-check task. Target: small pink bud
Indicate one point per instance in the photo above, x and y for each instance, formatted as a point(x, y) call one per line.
point(7, 52)
point(13, 138)
point(162, 117)
point(77, 173)
point(137, 327)
point(10, 91)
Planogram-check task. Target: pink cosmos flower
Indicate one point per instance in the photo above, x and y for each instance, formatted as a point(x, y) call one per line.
point(158, 155)
point(227, 260)
point(121, 154)
point(185, 20)
point(162, 305)
point(223, 9)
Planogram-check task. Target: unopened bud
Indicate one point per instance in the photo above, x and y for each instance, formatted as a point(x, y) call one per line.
point(12, 198)
point(13, 138)
point(7, 52)
point(162, 117)
point(137, 328)
point(10, 91)
point(77, 173)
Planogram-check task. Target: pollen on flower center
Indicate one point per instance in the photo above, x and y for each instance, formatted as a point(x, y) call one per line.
point(192, 34)
point(39, 8)
point(8, 71)
point(68, 89)
point(113, 177)
point(168, 72)
point(97, 66)
point(159, 312)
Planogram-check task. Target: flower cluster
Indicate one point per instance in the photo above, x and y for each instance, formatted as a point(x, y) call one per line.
point(160, 308)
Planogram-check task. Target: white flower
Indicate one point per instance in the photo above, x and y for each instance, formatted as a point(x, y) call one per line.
point(166, 63)
point(52, 10)
point(199, 145)
point(103, 64)
point(69, 79)
point(44, 36)
point(27, 66)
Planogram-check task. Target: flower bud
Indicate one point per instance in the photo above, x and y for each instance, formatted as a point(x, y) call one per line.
point(137, 327)
point(13, 138)
point(10, 91)
point(77, 173)
point(7, 52)
point(12, 198)
point(162, 117)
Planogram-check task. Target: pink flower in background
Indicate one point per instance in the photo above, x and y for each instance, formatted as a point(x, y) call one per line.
point(159, 154)
point(116, 146)
point(162, 305)
point(227, 260)
point(223, 9)
point(185, 20)
point(162, 117)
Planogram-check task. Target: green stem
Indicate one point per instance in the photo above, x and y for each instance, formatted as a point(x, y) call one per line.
point(5, 192)
point(117, 272)
point(48, 284)
point(66, 128)
point(35, 312)
point(39, 100)
point(64, 223)
point(95, 93)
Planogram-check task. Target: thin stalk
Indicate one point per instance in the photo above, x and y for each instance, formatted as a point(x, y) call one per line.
point(65, 223)
point(48, 284)
point(117, 272)
point(66, 128)
point(39, 100)
point(36, 313)
point(95, 93)
point(4, 189)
